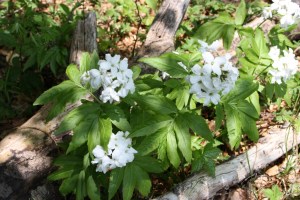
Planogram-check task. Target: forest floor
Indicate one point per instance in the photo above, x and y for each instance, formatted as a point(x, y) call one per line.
point(285, 173)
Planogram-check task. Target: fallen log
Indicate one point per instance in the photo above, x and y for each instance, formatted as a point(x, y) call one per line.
point(24, 153)
point(266, 151)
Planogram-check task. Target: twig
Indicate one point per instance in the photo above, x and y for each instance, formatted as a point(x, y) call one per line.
point(139, 25)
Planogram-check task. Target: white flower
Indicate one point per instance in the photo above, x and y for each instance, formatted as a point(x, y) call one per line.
point(212, 47)
point(283, 67)
point(286, 21)
point(274, 53)
point(119, 153)
point(288, 10)
point(267, 12)
point(217, 76)
point(212, 64)
point(95, 80)
point(113, 78)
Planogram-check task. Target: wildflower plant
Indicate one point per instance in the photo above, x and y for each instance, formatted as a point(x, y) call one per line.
point(130, 125)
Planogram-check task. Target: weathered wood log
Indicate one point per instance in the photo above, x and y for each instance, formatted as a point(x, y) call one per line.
point(161, 35)
point(266, 151)
point(24, 153)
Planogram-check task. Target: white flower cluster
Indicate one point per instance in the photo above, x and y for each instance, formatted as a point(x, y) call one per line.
point(113, 78)
point(289, 11)
point(283, 67)
point(119, 153)
point(216, 77)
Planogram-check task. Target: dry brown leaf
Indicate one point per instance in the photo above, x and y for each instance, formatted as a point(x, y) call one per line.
point(273, 171)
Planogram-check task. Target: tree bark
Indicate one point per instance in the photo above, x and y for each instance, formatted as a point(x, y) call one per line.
point(267, 150)
point(161, 35)
point(25, 153)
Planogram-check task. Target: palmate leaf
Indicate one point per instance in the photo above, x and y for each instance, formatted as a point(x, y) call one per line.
point(234, 126)
point(88, 125)
point(197, 124)
point(222, 27)
point(68, 185)
point(184, 138)
point(117, 116)
point(129, 181)
point(151, 142)
point(60, 95)
point(149, 164)
point(91, 187)
point(167, 63)
point(241, 115)
point(115, 181)
point(143, 182)
point(244, 87)
point(172, 148)
point(241, 13)
point(159, 104)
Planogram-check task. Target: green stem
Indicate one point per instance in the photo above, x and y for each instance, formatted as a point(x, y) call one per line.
point(261, 71)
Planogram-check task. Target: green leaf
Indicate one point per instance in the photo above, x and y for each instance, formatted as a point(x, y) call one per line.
point(249, 127)
point(136, 71)
point(241, 13)
point(81, 187)
point(227, 36)
point(198, 125)
point(60, 96)
point(254, 99)
point(78, 115)
point(233, 125)
point(85, 62)
point(143, 182)
point(261, 42)
point(181, 94)
point(172, 148)
point(129, 182)
point(68, 185)
point(152, 4)
point(247, 109)
point(61, 174)
point(92, 190)
point(211, 152)
point(117, 116)
point(68, 161)
point(82, 131)
point(158, 104)
point(210, 167)
point(244, 87)
point(73, 73)
point(94, 134)
point(115, 180)
point(150, 129)
point(221, 27)
point(105, 130)
point(166, 63)
point(94, 60)
point(198, 161)
point(184, 138)
point(151, 142)
point(148, 164)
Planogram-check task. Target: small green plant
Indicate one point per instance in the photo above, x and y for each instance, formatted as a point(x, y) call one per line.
point(39, 42)
point(274, 193)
